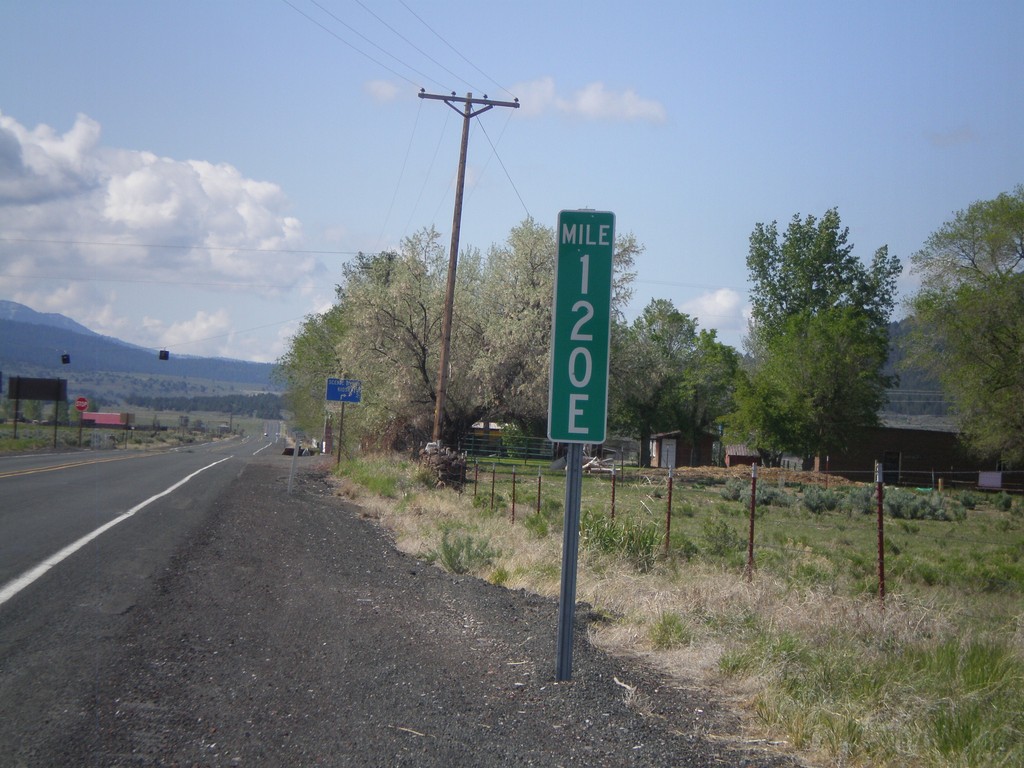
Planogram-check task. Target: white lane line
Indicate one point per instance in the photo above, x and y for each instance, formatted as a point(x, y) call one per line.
point(15, 586)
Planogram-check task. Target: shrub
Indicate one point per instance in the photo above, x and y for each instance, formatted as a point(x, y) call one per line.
point(685, 510)
point(483, 504)
point(1004, 501)
point(819, 500)
point(425, 476)
point(537, 524)
point(902, 504)
point(461, 554)
point(733, 490)
point(720, 538)
point(551, 508)
point(769, 496)
point(683, 546)
point(500, 576)
point(968, 500)
point(550, 516)
point(860, 499)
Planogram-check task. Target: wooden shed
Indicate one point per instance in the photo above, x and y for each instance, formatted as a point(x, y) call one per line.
point(672, 449)
point(740, 455)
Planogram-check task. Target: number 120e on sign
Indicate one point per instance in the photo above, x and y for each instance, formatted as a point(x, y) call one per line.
point(581, 327)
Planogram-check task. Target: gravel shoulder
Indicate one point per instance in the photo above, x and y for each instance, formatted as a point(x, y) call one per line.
point(291, 632)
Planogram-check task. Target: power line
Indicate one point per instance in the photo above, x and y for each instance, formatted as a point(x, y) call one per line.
point(401, 174)
point(426, 176)
point(453, 48)
point(233, 333)
point(417, 48)
point(494, 149)
point(361, 52)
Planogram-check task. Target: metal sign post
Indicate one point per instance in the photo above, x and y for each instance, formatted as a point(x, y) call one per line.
point(570, 552)
point(578, 383)
point(343, 391)
point(81, 405)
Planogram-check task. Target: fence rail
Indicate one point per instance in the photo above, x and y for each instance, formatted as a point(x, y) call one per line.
point(507, 447)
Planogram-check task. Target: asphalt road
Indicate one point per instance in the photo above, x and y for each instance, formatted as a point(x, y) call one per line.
point(51, 500)
point(230, 622)
point(56, 610)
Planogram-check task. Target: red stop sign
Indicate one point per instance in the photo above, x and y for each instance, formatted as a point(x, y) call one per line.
point(81, 404)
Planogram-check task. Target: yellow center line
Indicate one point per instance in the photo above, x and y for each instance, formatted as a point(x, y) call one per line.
point(71, 465)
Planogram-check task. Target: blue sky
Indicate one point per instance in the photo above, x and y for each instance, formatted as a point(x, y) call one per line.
point(158, 158)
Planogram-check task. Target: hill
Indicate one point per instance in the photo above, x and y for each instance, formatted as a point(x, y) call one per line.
point(19, 313)
point(113, 371)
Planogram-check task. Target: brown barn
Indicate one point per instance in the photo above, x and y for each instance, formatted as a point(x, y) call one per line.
point(920, 454)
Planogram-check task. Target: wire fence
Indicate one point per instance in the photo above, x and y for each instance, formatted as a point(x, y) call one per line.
point(970, 539)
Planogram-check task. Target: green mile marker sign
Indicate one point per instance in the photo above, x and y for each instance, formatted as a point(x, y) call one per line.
point(581, 327)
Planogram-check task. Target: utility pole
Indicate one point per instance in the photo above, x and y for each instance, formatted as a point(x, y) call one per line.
point(466, 109)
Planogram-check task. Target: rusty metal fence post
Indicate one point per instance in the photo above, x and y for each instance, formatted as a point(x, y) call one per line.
point(753, 509)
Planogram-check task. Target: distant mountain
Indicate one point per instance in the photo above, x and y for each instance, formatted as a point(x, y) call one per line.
point(19, 313)
point(32, 343)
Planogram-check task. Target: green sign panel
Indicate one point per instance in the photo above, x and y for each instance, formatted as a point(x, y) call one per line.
point(581, 327)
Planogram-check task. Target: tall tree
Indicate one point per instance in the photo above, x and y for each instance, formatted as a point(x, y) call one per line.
point(818, 312)
point(813, 268)
point(817, 388)
point(513, 363)
point(392, 304)
point(646, 367)
point(310, 360)
point(668, 375)
point(518, 280)
point(969, 319)
point(707, 388)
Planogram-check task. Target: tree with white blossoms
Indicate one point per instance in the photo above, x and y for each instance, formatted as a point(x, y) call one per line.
point(389, 330)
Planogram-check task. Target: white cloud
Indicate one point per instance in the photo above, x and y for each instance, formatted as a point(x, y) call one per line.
point(381, 91)
point(69, 188)
point(722, 309)
point(80, 221)
point(593, 102)
point(39, 165)
point(203, 326)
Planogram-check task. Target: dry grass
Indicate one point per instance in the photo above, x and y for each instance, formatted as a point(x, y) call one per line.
point(811, 666)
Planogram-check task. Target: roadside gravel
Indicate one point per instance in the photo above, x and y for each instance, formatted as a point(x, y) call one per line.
point(290, 632)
